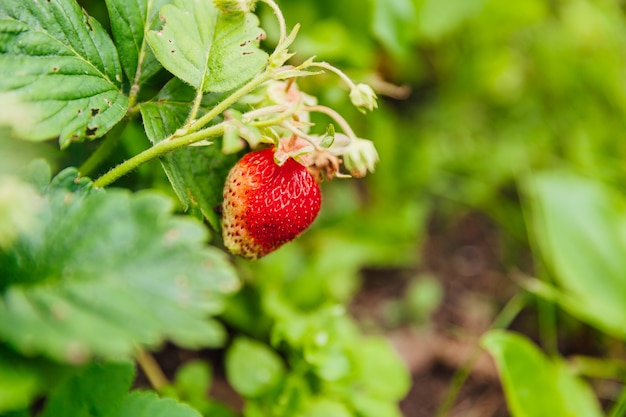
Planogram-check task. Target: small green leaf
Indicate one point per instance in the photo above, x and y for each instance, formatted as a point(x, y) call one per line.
point(193, 380)
point(23, 379)
point(380, 371)
point(130, 21)
point(252, 368)
point(210, 50)
point(96, 391)
point(106, 271)
point(534, 385)
point(59, 72)
point(197, 174)
point(147, 404)
point(574, 216)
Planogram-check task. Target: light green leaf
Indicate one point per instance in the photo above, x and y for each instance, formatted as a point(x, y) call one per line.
point(326, 407)
point(106, 271)
point(206, 48)
point(147, 404)
point(380, 371)
point(393, 23)
point(572, 217)
point(252, 368)
point(534, 385)
point(130, 21)
point(440, 17)
point(197, 174)
point(59, 72)
point(367, 406)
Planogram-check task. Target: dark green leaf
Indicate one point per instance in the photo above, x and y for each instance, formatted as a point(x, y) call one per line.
point(59, 72)
point(106, 271)
point(209, 50)
point(253, 368)
point(97, 391)
point(23, 379)
point(197, 173)
point(534, 385)
point(130, 21)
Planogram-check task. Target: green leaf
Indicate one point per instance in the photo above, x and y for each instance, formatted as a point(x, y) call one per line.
point(130, 21)
point(252, 368)
point(23, 379)
point(440, 17)
point(59, 72)
point(207, 49)
point(193, 380)
point(534, 385)
point(326, 407)
point(380, 371)
point(147, 404)
point(197, 174)
point(573, 216)
point(96, 391)
point(393, 23)
point(105, 271)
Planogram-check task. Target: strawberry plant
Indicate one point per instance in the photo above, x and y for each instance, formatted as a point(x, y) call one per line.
point(93, 277)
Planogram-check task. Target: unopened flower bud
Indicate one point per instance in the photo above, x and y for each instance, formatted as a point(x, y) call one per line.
point(363, 97)
point(360, 157)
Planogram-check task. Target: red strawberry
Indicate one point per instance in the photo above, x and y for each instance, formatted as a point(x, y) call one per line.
point(266, 204)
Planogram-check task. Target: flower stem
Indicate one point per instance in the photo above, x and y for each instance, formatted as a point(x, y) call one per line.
point(281, 19)
point(230, 100)
point(161, 148)
point(336, 117)
point(336, 70)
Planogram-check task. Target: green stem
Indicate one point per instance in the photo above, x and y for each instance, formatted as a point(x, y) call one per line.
point(196, 106)
point(187, 136)
point(230, 100)
point(281, 19)
point(103, 151)
point(161, 148)
point(503, 320)
point(345, 126)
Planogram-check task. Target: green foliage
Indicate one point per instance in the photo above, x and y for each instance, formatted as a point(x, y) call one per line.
point(91, 278)
point(209, 50)
point(535, 385)
point(60, 72)
point(591, 287)
point(86, 278)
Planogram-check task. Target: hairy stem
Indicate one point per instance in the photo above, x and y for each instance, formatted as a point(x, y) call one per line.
point(230, 100)
point(336, 117)
point(103, 151)
point(281, 19)
point(161, 148)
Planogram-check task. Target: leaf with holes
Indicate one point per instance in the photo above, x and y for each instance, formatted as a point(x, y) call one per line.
point(209, 50)
point(197, 174)
point(130, 21)
point(59, 72)
point(106, 271)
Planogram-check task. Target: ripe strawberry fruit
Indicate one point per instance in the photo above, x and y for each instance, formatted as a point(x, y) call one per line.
point(266, 204)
